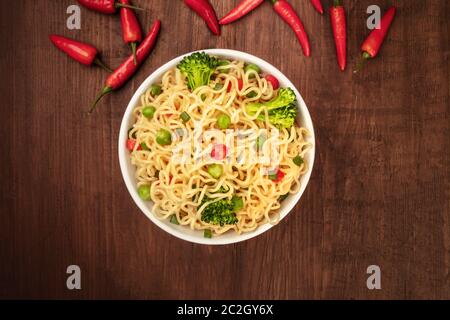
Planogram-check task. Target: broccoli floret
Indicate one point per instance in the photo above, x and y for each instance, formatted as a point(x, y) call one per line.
point(221, 212)
point(282, 110)
point(198, 68)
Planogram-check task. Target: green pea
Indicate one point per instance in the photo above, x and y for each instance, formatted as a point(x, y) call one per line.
point(238, 203)
point(215, 170)
point(207, 233)
point(218, 86)
point(253, 67)
point(173, 219)
point(251, 94)
point(155, 90)
point(144, 192)
point(223, 121)
point(185, 116)
point(224, 63)
point(149, 112)
point(298, 160)
point(163, 137)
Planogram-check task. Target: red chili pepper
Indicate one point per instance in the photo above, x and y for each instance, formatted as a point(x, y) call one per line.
point(219, 152)
point(205, 10)
point(243, 8)
point(131, 143)
point(240, 85)
point(373, 42)
point(339, 25)
point(288, 14)
point(105, 6)
point(274, 81)
point(124, 72)
point(79, 51)
point(131, 30)
point(317, 5)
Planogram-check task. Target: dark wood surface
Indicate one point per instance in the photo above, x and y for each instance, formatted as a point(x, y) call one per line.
point(379, 193)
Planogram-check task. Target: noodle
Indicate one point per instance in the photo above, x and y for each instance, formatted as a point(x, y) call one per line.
point(178, 188)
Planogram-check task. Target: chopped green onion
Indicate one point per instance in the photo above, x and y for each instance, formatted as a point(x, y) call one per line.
point(173, 219)
point(273, 175)
point(144, 146)
point(163, 137)
point(149, 112)
point(179, 131)
point(207, 233)
point(224, 63)
point(253, 67)
point(238, 203)
point(283, 197)
point(203, 97)
point(215, 170)
point(155, 90)
point(185, 116)
point(218, 86)
point(223, 121)
point(260, 142)
point(251, 94)
point(144, 192)
point(298, 160)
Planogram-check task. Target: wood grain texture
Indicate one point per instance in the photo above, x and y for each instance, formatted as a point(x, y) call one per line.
point(379, 193)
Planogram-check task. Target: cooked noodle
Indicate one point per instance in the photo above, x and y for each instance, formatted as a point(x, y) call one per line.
point(178, 188)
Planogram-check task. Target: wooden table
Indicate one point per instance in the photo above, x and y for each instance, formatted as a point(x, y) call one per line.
point(379, 193)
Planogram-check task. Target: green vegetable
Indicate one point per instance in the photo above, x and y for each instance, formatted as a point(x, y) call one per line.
point(282, 109)
point(218, 86)
point(298, 160)
point(254, 67)
point(185, 116)
point(163, 137)
point(215, 170)
point(283, 197)
point(238, 203)
point(219, 213)
point(224, 63)
point(273, 176)
point(144, 146)
point(149, 112)
point(207, 233)
point(223, 121)
point(203, 97)
point(173, 219)
point(155, 90)
point(198, 68)
point(260, 142)
point(144, 192)
point(251, 94)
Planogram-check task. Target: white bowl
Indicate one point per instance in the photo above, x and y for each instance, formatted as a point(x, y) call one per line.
point(128, 170)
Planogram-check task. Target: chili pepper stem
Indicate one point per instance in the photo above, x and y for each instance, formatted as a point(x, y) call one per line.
point(129, 6)
point(105, 91)
point(362, 62)
point(99, 63)
point(133, 50)
point(336, 3)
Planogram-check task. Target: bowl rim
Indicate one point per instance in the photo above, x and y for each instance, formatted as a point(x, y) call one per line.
point(129, 179)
